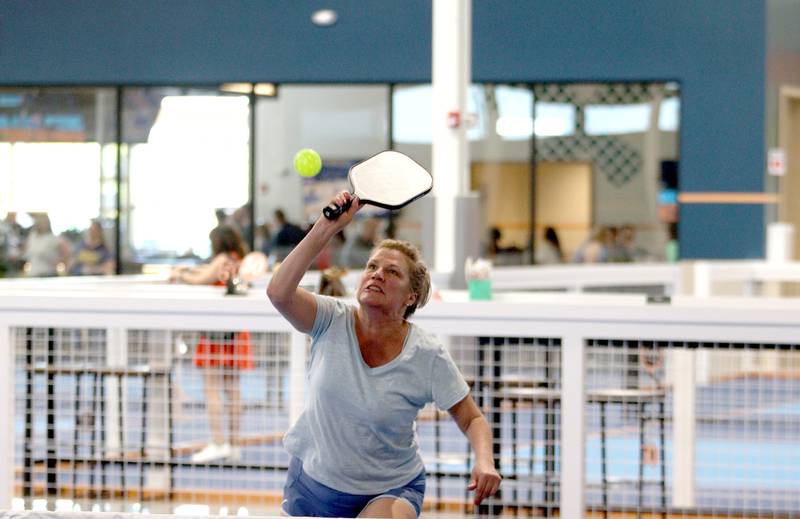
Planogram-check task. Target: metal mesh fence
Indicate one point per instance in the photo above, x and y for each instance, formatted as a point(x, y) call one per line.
point(744, 420)
point(148, 419)
point(187, 416)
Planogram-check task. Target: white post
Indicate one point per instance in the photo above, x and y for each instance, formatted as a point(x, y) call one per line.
point(6, 410)
point(683, 427)
point(297, 375)
point(157, 435)
point(452, 24)
point(116, 357)
point(702, 279)
point(573, 426)
point(651, 157)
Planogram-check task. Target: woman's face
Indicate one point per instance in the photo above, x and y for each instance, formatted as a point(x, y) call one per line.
point(385, 282)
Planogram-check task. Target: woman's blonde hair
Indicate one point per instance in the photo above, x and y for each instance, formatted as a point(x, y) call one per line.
point(418, 273)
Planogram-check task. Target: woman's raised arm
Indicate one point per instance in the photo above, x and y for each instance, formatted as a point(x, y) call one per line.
point(297, 305)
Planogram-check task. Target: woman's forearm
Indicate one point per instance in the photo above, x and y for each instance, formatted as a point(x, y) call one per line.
point(480, 437)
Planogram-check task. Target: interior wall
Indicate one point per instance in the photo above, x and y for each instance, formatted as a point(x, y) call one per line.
point(782, 70)
point(506, 195)
point(341, 123)
point(790, 182)
point(565, 201)
point(716, 55)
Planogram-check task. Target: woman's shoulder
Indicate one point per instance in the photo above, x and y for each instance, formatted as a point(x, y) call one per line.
point(426, 342)
point(335, 305)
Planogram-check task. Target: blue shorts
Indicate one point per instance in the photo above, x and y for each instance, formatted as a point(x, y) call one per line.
point(302, 496)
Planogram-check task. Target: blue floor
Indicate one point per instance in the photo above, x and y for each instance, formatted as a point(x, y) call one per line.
point(751, 457)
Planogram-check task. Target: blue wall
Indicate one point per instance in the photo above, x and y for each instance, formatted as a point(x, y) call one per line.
point(714, 48)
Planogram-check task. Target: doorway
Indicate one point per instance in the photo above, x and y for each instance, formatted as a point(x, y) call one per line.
point(564, 201)
point(789, 140)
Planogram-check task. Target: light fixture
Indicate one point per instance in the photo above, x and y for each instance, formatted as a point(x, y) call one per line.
point(265, 89)
point(236, 88)
point(324, 17)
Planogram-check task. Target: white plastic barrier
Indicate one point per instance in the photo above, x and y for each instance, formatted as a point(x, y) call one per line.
point(575, 321)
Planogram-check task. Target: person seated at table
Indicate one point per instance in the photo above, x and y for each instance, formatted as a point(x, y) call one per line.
point(44, 251)
point(548, 251)
point(595, 249)
point(92, 257)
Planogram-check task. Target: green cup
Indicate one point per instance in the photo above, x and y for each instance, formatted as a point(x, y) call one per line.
point(480, 289)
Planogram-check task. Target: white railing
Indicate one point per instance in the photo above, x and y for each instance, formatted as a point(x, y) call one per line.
point(696, 278)
point(573, 319)
point(748, 276)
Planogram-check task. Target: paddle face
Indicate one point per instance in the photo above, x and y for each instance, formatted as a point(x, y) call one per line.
point(389, 179)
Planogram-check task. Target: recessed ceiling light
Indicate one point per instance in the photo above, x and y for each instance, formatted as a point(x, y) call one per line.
point(324, 17)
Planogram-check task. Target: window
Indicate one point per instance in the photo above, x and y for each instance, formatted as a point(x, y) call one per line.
point(412, 108)
point(56, 147)
point(617, 119)
point(189, 155)
point(669, 114)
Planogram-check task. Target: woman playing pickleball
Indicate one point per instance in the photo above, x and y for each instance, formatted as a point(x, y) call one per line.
point(354, 450)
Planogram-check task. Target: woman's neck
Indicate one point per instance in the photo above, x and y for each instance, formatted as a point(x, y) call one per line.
point(373, 324)
point(380, 337)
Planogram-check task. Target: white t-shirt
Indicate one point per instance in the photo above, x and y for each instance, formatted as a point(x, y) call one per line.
point(43, 251)
point(357, 433)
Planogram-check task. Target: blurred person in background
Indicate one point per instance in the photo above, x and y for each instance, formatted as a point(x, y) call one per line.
point(286, 236)
point(44, 251)
point(595, 249)
point(227, 250)
point(331, 253)
point(263, 238)
point(358, 248)
point(220, 355)
point(92, 256)
point(12, 238)
point(330, 282)
point(549, 250)
point(241, 220)
point(627, 243)
point(500, 255)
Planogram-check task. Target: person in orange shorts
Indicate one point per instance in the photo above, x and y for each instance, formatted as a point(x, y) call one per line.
point(220, 355)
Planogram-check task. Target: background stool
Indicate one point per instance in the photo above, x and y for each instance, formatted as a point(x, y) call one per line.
point(639, 398)
point(550, 399)
point(96, 410)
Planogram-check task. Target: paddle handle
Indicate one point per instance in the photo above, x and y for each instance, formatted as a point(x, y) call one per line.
point(333, 211)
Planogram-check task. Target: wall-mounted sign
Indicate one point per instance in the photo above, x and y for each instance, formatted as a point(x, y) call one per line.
point(776, 161)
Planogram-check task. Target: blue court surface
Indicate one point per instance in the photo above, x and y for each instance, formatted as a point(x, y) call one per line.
point(747, 451)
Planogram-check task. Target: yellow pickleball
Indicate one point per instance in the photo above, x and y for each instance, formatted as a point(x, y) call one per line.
point(307, 162)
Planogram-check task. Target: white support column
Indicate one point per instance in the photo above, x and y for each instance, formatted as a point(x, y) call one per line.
point(683, 427)
point(573, 426)
point(116, 357)
point(452, 25)
point(158, 393)
point(702, 279)
point(157, 434)
point(651, 158)
point(6, 410)
point(298, 343)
